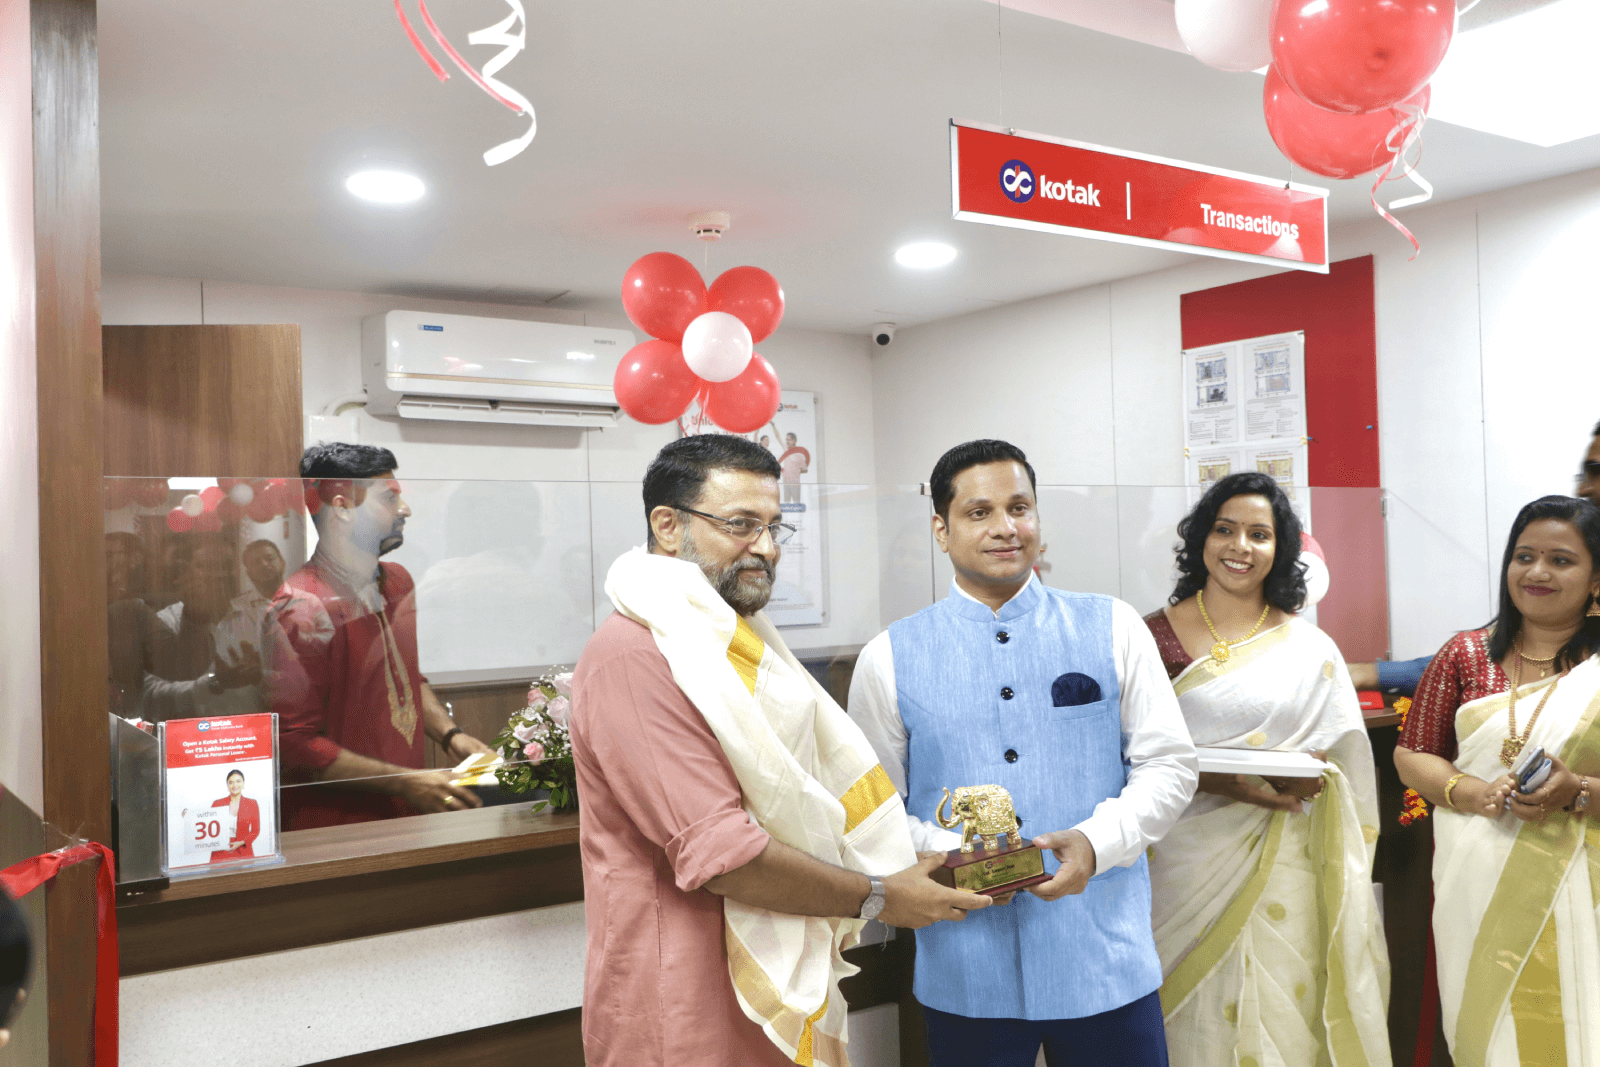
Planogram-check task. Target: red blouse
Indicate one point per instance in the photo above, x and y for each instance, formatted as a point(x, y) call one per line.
point(1461, 673)
point(1173, 657)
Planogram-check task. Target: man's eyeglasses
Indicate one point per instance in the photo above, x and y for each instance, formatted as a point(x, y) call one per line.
point(745, 529)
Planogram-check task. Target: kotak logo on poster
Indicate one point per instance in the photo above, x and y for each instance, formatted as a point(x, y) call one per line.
point(1016, 181)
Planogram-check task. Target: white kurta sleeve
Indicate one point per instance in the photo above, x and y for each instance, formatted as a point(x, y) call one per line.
point(1155, 740)
point(875, 707)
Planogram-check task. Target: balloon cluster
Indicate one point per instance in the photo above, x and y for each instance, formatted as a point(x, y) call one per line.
point(1348, 84)
point(703, 343)
point(231, 499)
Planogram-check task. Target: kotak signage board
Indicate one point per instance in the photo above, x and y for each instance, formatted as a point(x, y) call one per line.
point(1033, 182)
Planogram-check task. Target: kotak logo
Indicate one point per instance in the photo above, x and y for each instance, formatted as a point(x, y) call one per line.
point(1076, 194)
point(1016, 181)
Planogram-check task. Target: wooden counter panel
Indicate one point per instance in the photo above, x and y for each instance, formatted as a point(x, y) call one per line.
point(369, 847)
point(553, 1040)
point(343, 882)
point(183, 933)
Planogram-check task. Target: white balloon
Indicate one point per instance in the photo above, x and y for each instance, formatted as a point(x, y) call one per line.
point(1227, 34)
point(242, 494)
point(192, 505)
point(717, 346)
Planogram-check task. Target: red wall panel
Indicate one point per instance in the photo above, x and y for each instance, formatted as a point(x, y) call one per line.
point(1337, 313)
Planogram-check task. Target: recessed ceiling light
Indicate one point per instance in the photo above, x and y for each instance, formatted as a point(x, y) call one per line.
point(385, 186)
point(925, 255)
point(1531, 77)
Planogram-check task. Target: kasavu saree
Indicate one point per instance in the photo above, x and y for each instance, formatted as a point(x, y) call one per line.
point(1271, 945)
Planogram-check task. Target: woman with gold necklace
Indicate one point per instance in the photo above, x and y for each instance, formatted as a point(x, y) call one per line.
point(1271, 948)
point(1517, 876)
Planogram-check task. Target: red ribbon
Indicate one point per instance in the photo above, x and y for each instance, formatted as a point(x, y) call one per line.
point(1407, 132)
point(25, 877)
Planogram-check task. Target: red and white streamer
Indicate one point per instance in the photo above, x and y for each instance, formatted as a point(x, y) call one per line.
point(1407, 133)
point(512, 41)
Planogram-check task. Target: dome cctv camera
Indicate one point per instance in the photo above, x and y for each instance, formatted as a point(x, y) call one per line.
point(882, 333)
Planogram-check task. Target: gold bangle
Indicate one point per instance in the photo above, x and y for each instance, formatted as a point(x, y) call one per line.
point(1449, 787)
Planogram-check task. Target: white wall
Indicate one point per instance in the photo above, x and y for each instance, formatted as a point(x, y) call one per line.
point(1488, 380)
point(21, 743)
point(834, 366)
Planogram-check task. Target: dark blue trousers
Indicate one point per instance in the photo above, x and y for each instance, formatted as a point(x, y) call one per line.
point(1130, 1036)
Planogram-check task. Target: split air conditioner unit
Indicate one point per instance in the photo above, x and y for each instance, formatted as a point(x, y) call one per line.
point(457, 368)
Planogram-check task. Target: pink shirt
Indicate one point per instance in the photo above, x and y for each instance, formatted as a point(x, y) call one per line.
point(661, 816)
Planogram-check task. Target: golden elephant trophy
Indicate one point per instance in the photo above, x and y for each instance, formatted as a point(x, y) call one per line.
point(983, 864)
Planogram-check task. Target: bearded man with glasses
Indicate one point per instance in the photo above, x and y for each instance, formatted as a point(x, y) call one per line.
point(737, 828)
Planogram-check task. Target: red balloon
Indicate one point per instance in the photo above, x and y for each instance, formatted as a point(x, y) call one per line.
point(748, 402)
point(178, 521)
point(1359, 56)
point(1334, 146)
point(662, 293)
point(653, 384)
point(207, 522)
point(212, 496)
point(115, 494)
point(751, 295)
point(151, 492)
point(228, 511)
point(262, 509)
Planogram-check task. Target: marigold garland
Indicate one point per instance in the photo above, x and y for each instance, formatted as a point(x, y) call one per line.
point(1414, 806)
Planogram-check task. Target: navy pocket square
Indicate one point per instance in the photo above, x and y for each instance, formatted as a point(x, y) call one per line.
point(1073, 689)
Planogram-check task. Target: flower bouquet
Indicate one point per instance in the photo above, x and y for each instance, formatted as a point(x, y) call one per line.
point(535, 746)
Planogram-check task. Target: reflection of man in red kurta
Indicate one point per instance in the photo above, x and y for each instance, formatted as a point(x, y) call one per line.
point(355, 710)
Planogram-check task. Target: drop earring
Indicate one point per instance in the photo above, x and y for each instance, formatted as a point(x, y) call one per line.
point(1594, 607)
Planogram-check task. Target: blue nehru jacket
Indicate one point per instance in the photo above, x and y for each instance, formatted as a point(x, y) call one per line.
point(975, 696)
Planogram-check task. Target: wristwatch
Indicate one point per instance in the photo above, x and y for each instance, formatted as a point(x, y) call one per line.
point(872, 907)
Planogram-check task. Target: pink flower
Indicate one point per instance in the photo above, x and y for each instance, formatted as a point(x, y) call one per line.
point(533, 751)
point(536, 697)
point(563, 683)
point(559, 709)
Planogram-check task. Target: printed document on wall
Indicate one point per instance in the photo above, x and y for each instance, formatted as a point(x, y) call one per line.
point(1245, 410)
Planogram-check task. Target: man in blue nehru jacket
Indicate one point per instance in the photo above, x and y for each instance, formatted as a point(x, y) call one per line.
point(1062, 699)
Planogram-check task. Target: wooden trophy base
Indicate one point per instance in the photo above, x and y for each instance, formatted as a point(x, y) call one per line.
point(993, 871)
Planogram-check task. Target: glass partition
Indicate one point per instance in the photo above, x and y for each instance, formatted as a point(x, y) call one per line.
point(247, 594)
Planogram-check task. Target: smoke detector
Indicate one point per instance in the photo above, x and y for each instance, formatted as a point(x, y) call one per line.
point(709, 225)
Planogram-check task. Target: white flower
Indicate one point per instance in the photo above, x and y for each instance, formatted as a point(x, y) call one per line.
point(527, 732)
point(563, 683)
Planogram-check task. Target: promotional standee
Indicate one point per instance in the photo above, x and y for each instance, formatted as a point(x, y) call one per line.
point(219, 793)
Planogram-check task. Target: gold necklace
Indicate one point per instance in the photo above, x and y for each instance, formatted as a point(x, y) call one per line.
point(1513, 744)
point(1221, 650)
point(1544, 664)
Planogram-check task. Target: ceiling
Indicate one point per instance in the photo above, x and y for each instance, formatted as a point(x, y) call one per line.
point(227, 130)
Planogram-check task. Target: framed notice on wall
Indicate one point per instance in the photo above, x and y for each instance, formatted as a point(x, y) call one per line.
point(219, 793)
point(1244, 409)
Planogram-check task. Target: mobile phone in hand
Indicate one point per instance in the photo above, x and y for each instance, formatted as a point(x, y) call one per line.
point(1531, 770)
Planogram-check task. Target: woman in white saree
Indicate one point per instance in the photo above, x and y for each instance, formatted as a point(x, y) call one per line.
point(1517, 876)
point(1271, 948)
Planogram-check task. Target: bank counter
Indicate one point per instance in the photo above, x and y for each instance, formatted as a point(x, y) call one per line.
point(351, 928)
